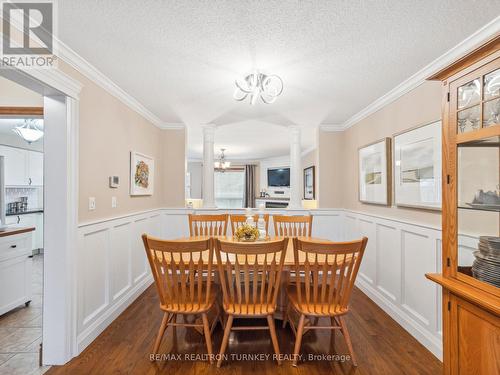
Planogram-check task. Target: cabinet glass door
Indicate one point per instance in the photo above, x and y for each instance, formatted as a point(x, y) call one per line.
point(478, 188)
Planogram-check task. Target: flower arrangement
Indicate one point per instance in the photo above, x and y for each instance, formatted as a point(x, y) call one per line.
point(247, 233)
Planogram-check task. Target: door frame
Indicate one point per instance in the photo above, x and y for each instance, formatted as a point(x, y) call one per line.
point(61, 122)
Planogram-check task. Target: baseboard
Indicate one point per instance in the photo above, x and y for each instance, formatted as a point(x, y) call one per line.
point(433, 344)
point(97, 327)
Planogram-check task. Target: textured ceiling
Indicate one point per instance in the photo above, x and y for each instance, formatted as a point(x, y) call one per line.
point(180, 58)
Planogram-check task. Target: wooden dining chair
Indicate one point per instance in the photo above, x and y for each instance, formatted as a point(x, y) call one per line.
point(208, 225)
point(238, 220)
point(292, 226)
point(183, 273)
point(250, 274)
point(323, 288)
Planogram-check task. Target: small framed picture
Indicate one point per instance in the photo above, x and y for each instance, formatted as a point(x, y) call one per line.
point(374, 177)
point(417, 167)
point(309, 184)
point(142, 169)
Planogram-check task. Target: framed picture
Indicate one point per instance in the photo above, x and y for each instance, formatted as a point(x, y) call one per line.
point(142, 170)
point(374, 165)
point(309, 185)
point(417, 167)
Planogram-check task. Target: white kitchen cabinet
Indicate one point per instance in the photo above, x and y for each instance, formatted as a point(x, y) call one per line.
point(15, 271)
point(30, 220)
point(9, 220)
point(22, 167)
point(16, 165)
point(35, 168)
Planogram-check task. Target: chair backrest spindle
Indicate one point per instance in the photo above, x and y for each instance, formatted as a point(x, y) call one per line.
point(250, 274)
point(239, 220)
point(207, 225)
point(329, 272)
point(292, 226)
point(182, 270)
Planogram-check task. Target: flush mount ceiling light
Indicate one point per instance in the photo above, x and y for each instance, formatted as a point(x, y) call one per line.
point(29, 131)
point(255, 85)
point(222, 164)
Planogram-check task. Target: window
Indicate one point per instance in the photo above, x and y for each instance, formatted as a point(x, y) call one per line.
point(230, 188)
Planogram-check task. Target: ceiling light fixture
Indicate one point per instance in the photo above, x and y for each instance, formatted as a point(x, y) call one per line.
point(221, 165)
point(255, 85)
point(29, 131)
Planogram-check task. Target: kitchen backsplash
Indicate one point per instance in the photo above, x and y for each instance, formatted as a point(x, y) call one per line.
point(34, 194)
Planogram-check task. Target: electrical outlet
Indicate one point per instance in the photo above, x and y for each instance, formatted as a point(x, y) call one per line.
point(113, 202)
point(91, 203)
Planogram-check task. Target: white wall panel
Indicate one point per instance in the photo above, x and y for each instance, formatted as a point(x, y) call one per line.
point(417, 258)
point(120, 258)
point(366, 228)
point(388, 262)
point(94, 286)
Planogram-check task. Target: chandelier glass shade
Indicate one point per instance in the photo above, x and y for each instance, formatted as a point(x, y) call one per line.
point(222, 164)
point(29, 131)
point(258, 85)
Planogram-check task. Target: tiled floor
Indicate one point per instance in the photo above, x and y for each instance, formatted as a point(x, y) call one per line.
point(21, 332)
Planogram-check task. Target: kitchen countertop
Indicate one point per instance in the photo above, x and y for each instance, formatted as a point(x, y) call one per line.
point(11, 231)
point(32, 211)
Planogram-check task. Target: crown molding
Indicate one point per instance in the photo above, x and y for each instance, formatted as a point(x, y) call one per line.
point(332, 127)
point(91, 72)
point(172, 126)
point(466, 46)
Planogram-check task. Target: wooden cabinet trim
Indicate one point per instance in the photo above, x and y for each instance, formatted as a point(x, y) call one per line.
point(474, 295)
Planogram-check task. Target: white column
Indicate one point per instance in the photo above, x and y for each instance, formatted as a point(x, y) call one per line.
point(208, 166)
point(295, 168)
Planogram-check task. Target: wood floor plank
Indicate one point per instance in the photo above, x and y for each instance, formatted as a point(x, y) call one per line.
point(382, 346)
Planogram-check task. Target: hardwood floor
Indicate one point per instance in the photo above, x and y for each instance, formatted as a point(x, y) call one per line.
point(381, 346)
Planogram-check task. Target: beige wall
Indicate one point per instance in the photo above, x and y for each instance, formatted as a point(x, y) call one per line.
point(12, 94)
point(108, 131)
point(331, 156)
point(338, 152)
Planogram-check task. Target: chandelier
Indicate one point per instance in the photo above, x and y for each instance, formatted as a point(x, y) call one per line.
point(255, 85)
point(222, 164)
point(29, 131)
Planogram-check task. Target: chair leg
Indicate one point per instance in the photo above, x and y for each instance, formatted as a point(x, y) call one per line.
point(161, 331)
point(208, 339)
point(225, 340)
point(347, 338)
point(274, 338)
point(298, 339)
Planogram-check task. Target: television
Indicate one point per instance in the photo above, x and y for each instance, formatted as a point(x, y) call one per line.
point(278, 177)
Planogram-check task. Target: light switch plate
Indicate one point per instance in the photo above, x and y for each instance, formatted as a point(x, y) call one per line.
point(113, 202)
point(91, 203)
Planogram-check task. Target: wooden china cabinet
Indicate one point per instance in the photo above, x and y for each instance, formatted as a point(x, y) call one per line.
point(471, 212)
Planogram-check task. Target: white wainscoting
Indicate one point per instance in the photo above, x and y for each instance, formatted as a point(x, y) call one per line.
point(113, 269)
point(392, 273)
